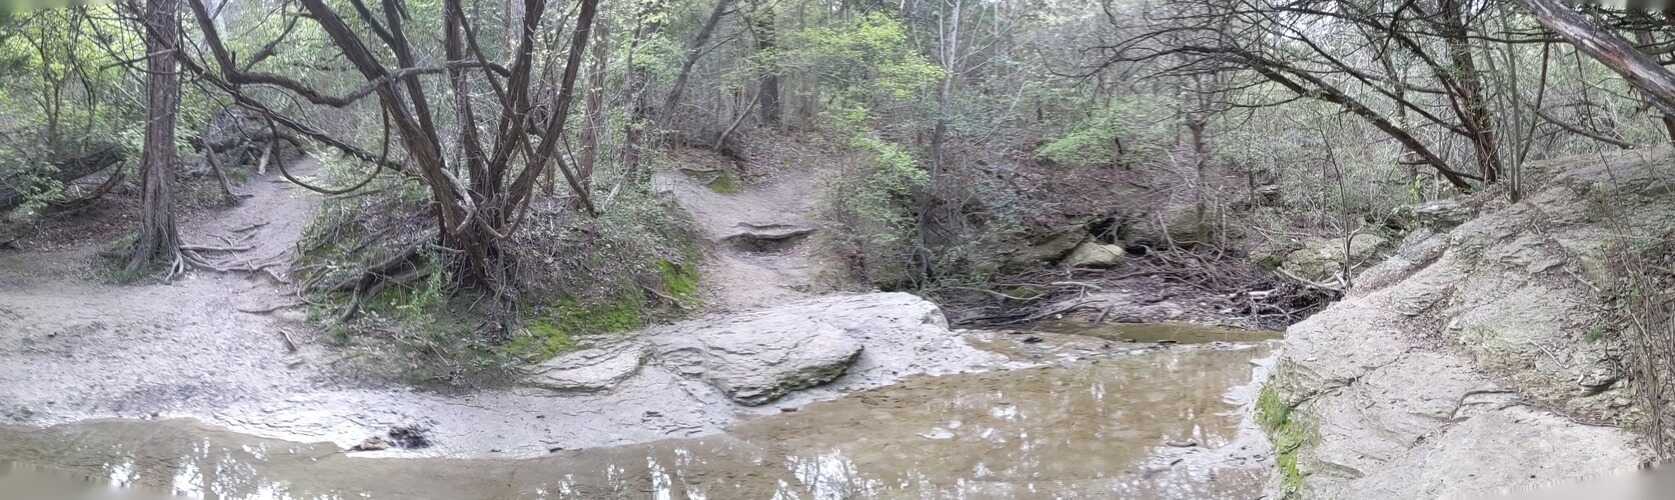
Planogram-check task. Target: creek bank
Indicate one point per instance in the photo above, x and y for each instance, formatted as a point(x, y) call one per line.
point(1463, 365)
point(173, 357)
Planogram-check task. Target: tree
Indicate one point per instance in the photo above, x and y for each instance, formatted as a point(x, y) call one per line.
point(479, 191)
point(763, 28)
point(593, 113)
point(158, 240)
point(694, 51)
point(1609, 49)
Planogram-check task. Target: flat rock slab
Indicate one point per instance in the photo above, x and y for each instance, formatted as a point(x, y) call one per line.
point(590, 370)
point(760, 357)
point(758, 360)
point(766, 237)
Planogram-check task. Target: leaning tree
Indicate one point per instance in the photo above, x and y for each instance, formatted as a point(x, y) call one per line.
point(479, 158)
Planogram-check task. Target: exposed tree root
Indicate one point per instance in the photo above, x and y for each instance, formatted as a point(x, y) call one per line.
point(269, 309)
point(403, 268)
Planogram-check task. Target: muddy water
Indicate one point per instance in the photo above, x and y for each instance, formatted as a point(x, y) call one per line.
point(1183, 333)
point(1128, 423)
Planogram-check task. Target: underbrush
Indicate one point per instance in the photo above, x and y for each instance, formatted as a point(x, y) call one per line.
point(1643, 314)
point(575, 281)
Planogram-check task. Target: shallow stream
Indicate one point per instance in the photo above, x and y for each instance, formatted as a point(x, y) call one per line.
point(1100, 418)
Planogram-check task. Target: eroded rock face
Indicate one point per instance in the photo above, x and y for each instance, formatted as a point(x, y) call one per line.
point(1443, 213)
point(758, 360)
point(1440, 374)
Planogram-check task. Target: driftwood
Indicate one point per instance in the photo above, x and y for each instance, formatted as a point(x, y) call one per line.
point(70, 169)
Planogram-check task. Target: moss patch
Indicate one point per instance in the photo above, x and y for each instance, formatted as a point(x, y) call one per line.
point(680, 279)
point(1288, 435)
point(726, 182)
point(556, 332)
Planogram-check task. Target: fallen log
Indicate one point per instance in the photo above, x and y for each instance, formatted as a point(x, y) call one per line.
point(69, 169)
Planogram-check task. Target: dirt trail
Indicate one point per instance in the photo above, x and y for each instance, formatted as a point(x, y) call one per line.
point(758, 237)
point(69, 339)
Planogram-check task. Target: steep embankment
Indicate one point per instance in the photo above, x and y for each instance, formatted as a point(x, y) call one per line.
point(1471, 362)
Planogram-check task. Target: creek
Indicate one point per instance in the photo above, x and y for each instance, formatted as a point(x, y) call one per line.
point(1090, 416)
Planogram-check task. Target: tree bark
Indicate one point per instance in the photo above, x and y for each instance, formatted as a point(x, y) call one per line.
point(1645, 38)
point(593, 108)
point(1472, 106)
point(158, 239)
point(638, 85)
point(1611, 50)
point(762, 28)
point(693, 53)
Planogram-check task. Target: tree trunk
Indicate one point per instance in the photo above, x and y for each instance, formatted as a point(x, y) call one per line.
point(1646, 40)
point(693, 53)
point(158, 240)
point(762, 28)
point(593, 109)
point(638, 86)
point(1472, 105)
point(1610, 49)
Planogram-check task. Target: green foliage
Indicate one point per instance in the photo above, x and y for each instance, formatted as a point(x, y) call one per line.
point(874, 202)
point(35, 181)
point(1141, 123)
point(871, 56)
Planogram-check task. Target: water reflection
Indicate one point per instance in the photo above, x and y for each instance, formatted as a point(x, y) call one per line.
point(1178, 333)
point(1123, 426)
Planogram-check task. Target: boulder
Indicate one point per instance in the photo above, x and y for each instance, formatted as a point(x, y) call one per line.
point(1092, 254)
point(1049, 248)
point(760, 358)
point(590, 370)
point(1270, 253)
point(1442, 214)
point(1320, 259)
point(1169, 222)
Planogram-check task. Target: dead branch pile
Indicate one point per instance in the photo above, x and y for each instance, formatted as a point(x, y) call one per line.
point(1231, 285)
point(66, 170)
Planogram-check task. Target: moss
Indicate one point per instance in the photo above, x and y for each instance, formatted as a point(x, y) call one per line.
point(680, 279)
point(556, 332)
point(543, 338)
point(1288, 435)
point(726, 182)
point(1595, 334)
